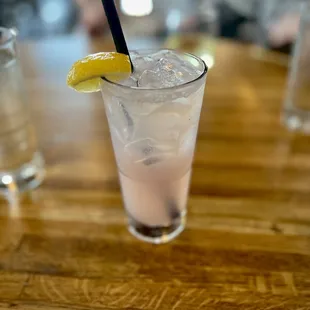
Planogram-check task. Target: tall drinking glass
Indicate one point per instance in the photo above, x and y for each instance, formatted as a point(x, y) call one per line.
point(297, 101)
point(153, 131)
point(21, 165)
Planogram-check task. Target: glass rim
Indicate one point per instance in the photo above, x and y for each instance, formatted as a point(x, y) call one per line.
point(12, 33)
point(200, 61)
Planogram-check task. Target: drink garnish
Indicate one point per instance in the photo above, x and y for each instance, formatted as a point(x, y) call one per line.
point(85, 74)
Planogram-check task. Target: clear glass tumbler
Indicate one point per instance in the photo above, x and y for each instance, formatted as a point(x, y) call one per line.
point(154, 136)
point(297, 102)
point(21, 165)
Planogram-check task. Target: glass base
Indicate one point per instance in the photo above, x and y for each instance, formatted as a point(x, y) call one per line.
point(297, 119)
point(25, 178)
point(156, 234)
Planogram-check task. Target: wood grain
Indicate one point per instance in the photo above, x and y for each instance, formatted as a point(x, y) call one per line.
point(246, 245)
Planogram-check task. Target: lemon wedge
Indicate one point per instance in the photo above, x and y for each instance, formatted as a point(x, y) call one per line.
point(84, 76)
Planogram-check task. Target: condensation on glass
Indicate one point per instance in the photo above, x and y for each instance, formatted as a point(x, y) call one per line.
point(153, 125)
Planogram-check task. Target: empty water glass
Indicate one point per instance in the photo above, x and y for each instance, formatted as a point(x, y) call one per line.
point(21, 165)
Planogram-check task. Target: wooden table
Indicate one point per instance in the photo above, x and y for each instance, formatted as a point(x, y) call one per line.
point(246, 245)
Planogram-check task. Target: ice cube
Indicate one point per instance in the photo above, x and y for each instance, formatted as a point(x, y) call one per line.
point(161, 76)
point(119, 115)
point(140, 149)
point(143, 63)
point(161, 54)
point(152, 79)
point(151, 161)
point(155, 159)
point(131, 81)
point(148, 151)
point(134, 54)
point(140, 64)
point(168, 72)
point(185, 68)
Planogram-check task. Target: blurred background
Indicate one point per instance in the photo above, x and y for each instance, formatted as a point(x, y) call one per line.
point(148, 23)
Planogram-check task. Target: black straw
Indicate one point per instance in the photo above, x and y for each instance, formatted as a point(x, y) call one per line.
point(116, 28)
